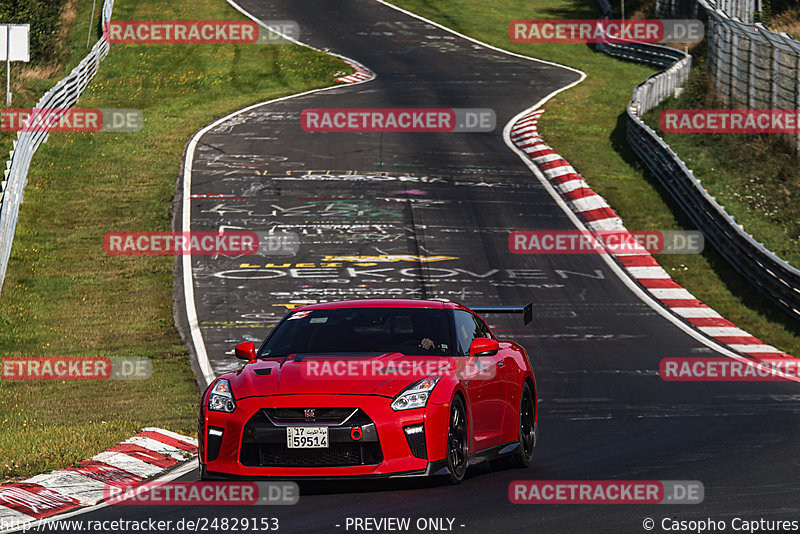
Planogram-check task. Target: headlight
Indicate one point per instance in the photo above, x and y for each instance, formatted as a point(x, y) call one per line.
point(416, 395)
point(221, 397)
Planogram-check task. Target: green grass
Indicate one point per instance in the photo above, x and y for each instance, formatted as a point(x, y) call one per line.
point(586, 124)
point(62, 294)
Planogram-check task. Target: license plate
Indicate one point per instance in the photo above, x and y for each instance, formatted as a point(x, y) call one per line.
point(307, 437)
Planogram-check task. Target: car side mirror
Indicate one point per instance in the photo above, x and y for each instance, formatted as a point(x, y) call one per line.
point(246, 350)
point(483, 346)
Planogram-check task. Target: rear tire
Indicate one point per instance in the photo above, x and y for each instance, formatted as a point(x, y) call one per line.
point(527, 434)
point(457, 442)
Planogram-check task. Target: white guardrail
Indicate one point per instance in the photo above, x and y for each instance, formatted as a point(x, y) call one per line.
point(774, 277)
point(63, 95)
point(744, 10)
point(750, 66)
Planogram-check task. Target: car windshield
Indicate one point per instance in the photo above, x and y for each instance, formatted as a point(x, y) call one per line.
point(410, 331)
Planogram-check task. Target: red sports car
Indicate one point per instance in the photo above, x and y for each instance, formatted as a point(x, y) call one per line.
point(372, 388)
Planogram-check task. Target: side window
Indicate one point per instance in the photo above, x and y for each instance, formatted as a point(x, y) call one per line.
point(466, 330)
point(482, 329)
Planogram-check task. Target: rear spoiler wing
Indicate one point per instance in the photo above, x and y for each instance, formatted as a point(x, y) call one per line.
point(526, 311)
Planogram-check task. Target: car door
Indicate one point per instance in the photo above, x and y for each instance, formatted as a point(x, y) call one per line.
point(484, 382)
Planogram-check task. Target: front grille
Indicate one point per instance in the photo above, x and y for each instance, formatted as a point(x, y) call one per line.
point(333, 416)
point(264, 439)
point(336, 455)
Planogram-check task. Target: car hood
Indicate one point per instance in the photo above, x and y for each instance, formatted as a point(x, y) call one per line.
point(358, 374)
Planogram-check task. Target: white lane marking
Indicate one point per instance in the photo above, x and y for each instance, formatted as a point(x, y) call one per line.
point(724, 331)
point(630, 253)
point(545, 158)
point(527, 123)
point(672, 293)
point(572, 185)
point(699, 312)
point(611, 223)
point(555, 172)
point(627, 253)
point(648, 272)
point(536, 148)
point(531, 148)
point(593, 202)
point(756, 348)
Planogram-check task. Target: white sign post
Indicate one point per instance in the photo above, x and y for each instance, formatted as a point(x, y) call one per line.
point(14, 46)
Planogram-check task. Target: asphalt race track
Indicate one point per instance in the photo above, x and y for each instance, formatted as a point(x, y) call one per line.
point(368, 206)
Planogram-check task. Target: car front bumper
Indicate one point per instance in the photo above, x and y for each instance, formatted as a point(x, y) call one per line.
point(251, 441)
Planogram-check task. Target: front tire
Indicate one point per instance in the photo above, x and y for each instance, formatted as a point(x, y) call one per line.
point(457, 442)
